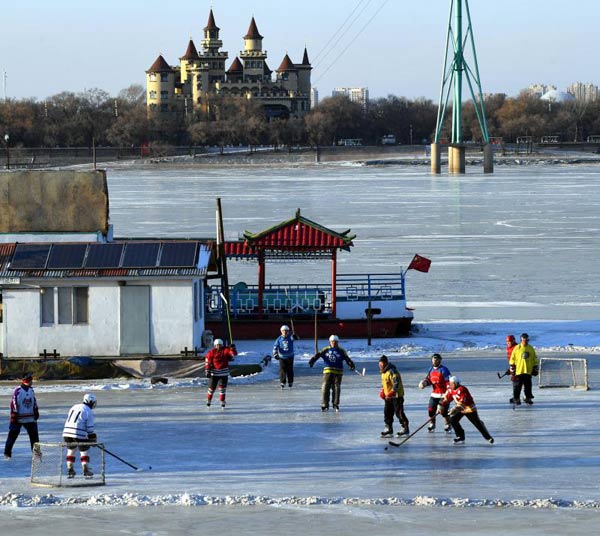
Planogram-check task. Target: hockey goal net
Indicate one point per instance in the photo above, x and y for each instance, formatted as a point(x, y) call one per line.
point(49, 466)
point(563, 372)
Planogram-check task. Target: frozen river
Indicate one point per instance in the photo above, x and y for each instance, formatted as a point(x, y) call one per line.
point(515, 251)
point(523, 243)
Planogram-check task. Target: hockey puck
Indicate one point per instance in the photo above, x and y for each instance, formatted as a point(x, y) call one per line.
point(385, 448)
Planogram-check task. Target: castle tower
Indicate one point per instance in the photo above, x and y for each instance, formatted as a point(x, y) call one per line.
point(188, 61)
point(287, 74)
point(253, 56)
point(304, 70)
point(212, 58)
point(160, 86)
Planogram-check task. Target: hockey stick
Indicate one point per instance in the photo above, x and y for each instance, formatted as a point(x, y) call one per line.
point(394, 444)
point(121, 459)
point(228, 318)
point(362, 373)
point(296, 337)
point(502, 376)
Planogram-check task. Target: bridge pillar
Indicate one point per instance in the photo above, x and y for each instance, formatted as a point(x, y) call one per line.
point(436, 161)
point(456, 159)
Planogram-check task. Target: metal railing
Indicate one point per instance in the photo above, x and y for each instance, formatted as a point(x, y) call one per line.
point(306, 299)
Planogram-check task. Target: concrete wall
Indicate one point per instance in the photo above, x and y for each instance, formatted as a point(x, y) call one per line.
point(53, 201)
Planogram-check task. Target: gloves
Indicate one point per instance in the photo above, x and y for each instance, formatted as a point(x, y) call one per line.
point(423, 384)
point(14, 418)
point(535, 371)
point(92, 437)
point(276, 356)
point(351, 364)
point(36, 413)
point(441, 409)
point(382, 394)
point(295, 337)
point(233, 347)
point(208, 373)
point(391, 394)
point(312, 361)
point(455, 411)
point(512, 369)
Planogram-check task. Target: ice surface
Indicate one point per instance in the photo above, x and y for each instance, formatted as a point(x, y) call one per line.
point(512, 252)
point(272, 456)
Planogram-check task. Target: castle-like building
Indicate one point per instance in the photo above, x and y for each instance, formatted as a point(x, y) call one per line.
point(201, 77)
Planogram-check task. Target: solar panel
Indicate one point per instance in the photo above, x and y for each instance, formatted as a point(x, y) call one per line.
point(30, 256)
point(140, 255)
point(65, 256)
point(178, 255)
point(104, 255)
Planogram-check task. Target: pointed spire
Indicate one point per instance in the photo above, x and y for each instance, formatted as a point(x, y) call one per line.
point(211, 25)
point(160, 65)
point(305, 60)
point(253, 31)
point(286, 65)
point(191, 53)
point(236, 66)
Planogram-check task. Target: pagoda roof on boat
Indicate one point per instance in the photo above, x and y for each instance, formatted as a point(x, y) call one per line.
point(293, 238)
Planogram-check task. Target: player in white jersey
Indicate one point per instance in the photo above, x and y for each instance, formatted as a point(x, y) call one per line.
point(78, 431)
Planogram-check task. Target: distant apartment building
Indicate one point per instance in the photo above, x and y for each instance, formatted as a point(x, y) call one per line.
point(537, 90)
point(201, 77)
point(314, 98)
point(355, 94)
point(583, 92)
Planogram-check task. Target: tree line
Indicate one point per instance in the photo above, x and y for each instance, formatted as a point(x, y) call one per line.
point(93, 117)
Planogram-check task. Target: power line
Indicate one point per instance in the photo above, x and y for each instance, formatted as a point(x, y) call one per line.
point(318, 55)
point(352, 41)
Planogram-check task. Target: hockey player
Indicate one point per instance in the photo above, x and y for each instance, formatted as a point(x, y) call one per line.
point(217, 369)
point(523, 365)
point(464, 407)
point(78, 433)
point(334, 357)
point(510, 346)
point(392, 393)
point(437, 376)
point(283, 351)
point(23, 412)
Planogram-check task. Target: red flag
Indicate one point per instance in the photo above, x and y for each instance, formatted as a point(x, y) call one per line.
point(419, 263)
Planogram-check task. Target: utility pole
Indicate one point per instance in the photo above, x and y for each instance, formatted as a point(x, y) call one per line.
point(459, 41)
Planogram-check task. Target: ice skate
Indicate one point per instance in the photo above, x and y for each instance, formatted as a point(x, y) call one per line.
point(529, 402)
point(431, 427)
point(387, 432)
point(324, 408)
point(223, 405)
point(282, 386)
point(448, 428)
point(515, 401)
point(403, 432)
point(336, 408)
point(71, 472)
point(458, 440)
point(87, 472)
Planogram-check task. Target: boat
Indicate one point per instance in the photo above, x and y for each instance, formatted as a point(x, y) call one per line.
point(351, 305)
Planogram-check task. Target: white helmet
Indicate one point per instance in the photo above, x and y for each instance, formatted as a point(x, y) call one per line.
point(284, 328)
point(90, 400)
point(218, 342)
point(454, 379)
point(334, 338)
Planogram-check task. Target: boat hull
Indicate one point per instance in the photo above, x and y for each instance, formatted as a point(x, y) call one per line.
point(249, 329)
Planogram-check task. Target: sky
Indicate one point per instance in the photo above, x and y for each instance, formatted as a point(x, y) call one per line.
point(390, 46)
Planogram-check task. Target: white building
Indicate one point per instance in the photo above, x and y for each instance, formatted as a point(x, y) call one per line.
point(80, 292)
point(314, 98)
point(355, 94)
point(583, 92)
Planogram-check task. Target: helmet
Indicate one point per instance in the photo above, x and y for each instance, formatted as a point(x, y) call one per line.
point(218, 342)
point(454, 379)
point(284, 328)
point(333, 338)
point(90, 400)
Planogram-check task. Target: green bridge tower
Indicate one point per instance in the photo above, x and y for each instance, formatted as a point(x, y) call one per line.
point(460, 41)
